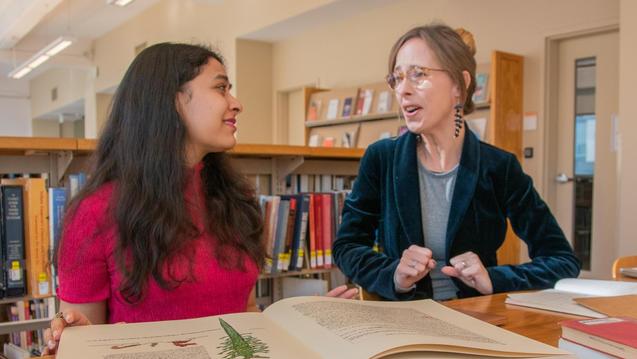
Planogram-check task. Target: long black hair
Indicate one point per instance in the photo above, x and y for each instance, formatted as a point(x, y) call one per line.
point(142, 151)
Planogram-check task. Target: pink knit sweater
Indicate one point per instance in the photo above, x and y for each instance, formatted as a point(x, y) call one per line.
point(87, 270)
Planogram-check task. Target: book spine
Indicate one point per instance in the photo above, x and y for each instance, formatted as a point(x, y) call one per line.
point(13, 241)
point(302, 232)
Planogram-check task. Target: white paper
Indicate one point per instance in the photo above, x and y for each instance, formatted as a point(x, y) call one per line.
point(560, 299)
point(530, 121)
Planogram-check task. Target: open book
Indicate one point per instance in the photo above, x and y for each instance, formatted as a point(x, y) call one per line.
point(560, 299)
point(308, 328)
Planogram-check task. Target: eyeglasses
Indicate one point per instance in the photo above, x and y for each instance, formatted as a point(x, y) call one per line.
point(416, 75)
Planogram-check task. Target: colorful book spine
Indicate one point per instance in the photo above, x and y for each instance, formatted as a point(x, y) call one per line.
point(13, 241)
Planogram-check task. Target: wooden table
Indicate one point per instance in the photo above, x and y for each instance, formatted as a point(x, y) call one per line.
point(540, 325)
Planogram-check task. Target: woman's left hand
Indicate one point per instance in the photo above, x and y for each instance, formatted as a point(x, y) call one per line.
point(343, 292)
point(469, 269)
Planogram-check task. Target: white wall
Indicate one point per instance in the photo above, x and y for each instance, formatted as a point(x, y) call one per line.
point(354, 51)
point(627, 166)
point(15, 108)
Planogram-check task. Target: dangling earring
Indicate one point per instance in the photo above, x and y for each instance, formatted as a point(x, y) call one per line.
point(458, 120)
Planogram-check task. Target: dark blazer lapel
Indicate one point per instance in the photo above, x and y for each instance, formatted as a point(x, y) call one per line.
point(465, 186)
point(406, 188)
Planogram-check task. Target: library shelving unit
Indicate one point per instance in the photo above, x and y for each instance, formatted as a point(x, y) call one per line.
point(60, 156)
point(504, 113)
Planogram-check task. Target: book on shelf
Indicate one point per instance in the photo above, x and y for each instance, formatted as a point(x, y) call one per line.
point(57, 205)
point(332, 109)
point(350, 138)
point(328, 142)
point(12, 239)
point(384, 102)
point(561, 297)
point(314, 110)
point(300, 327)
point(481, 92)
point(36, 239)
point(315, 140)
point(347, 107)
point(613, 335)
point(24, 310)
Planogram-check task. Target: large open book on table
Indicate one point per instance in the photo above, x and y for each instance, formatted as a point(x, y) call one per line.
point(560, 298)
point(308, 328)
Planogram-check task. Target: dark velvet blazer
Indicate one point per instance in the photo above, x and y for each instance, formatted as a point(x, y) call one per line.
point(490, 187)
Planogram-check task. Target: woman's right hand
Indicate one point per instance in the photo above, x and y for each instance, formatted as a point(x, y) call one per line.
point(70, 318)
point(414, 265)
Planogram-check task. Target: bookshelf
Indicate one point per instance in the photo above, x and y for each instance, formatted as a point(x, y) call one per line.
point(364, 113)
point(60, 156)
point(503, 112)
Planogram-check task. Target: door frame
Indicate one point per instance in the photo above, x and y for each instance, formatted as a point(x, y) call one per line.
point(550, 106)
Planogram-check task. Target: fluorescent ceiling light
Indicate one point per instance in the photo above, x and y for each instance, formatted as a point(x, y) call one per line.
point(41, 57)
point(119, 2)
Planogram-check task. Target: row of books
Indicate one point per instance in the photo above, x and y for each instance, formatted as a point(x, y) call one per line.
point(348, 105)
point(300, 229)
point(30, 226)
point(32, 341)
point(301, 183)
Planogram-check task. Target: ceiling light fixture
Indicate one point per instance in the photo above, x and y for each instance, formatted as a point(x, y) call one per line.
point(121, 3)
point(41, 56)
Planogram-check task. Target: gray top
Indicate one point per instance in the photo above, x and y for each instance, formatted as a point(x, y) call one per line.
point(436, 192)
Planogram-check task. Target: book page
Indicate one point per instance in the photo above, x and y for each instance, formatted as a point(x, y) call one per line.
point(338, 328)
point(553, 300)
point(561, 298)
point(601, 288)
point(244, 335)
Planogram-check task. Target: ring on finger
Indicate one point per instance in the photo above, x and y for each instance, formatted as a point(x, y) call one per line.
point(59, 315)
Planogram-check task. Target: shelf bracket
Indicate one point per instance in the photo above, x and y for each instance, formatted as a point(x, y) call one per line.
point(283, 166)
point(64, 160)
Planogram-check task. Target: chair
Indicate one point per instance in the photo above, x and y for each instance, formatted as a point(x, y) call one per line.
point(624, 262)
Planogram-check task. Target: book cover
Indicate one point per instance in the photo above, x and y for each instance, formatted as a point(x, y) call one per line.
point(347, 107)
point(481, 93)
point(312, 231)
point(318, 229)
point(57, 205)
point(36, 239)
point(314, 110)
point(613, 335)
point(332, 109)
point(384, 102)
point(299, 243)
point(13, 242)
point(278, 246)
point(328, 142)
point(367, 101)
point(327, 228)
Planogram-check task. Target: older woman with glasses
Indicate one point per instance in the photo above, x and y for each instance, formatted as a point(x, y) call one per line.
point(436, 199)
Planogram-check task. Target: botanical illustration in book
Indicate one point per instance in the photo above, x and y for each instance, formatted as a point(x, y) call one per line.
point(243, 346)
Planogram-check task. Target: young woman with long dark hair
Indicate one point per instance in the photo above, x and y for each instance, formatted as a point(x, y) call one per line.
point(165, 228)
